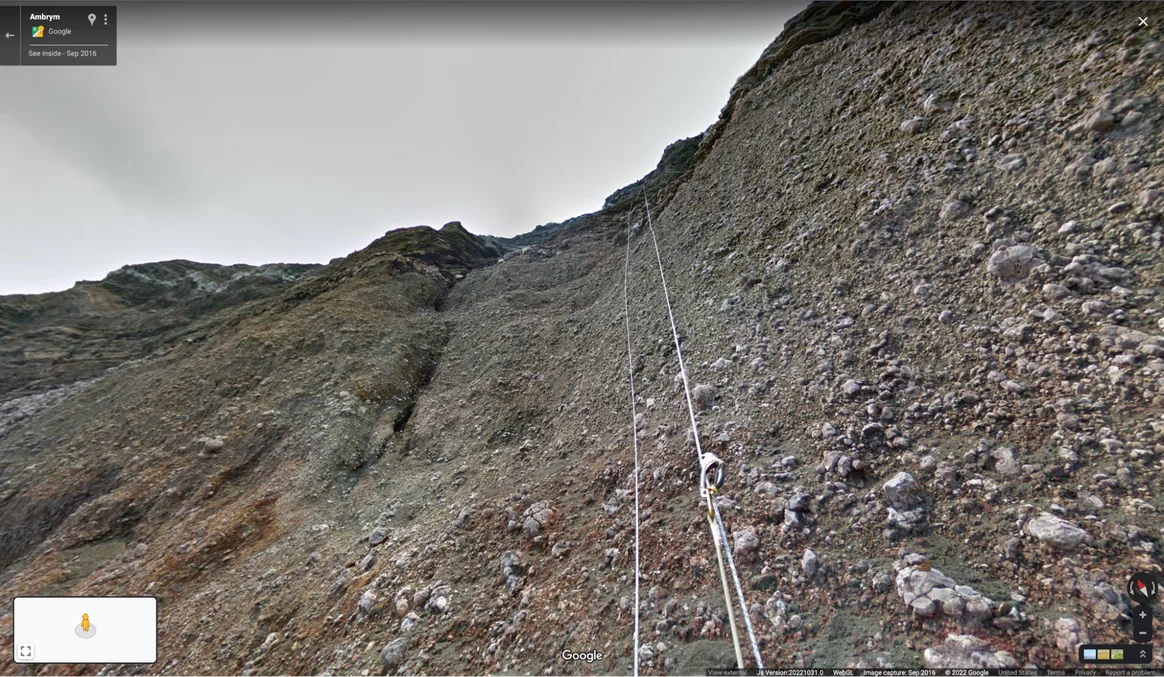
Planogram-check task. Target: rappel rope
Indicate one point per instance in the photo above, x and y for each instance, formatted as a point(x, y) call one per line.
point(720, 547)
point(739, 589)
point(707, 463)
point(634, 433)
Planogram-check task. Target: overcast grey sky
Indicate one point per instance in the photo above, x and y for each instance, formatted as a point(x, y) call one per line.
point(297, 132)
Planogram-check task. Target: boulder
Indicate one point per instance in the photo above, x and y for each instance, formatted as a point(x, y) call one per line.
point(967, 651)
point(393, 654)
point(1010, 264)
point(1058, 533)
point(902, 491)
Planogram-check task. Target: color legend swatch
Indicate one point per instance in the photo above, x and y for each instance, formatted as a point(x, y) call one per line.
point(1115, 653)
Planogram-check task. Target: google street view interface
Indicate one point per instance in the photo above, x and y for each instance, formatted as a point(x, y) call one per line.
point(581, 338)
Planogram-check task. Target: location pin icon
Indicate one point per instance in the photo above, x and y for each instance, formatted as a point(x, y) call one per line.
point(92, 19)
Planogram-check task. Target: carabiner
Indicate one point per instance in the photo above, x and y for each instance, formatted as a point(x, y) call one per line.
point(710, 463)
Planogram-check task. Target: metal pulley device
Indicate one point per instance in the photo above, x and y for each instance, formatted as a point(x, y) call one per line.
point(711, 473)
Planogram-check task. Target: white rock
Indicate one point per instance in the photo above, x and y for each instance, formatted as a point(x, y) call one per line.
point(953, 208)
point(1100, 120)
point(1057, 533)
point(966, 652)
point(409, 621)
point(1013, 263)
point(1095, 307)
point(809, 563)
point(367, 601)
point(1013, 162)
point(703, 395)
point(1056, 292)
point(923, 607)
point(1005, 461)
point(902, 491)
point(934, 103)
point(913, 125)
point(393, 654)
point(954, 607)
point(913, 582)
point(1069, 635)
point(746, 540)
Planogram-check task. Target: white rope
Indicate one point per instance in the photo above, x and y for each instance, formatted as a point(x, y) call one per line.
point(727, 595)
point(634, 431)
point(739, 589)
point(699, 450)
point(674, 331)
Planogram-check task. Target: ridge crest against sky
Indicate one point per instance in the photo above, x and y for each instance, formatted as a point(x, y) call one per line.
point(265, 132)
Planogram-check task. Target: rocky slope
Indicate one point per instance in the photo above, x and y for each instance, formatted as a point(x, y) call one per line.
point(60, 338)
point(918, 263)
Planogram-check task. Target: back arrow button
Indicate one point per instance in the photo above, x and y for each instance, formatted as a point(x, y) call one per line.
point(9, 36)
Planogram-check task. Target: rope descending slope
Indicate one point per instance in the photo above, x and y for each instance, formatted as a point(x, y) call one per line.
point(634, 433)
point(707, 486)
